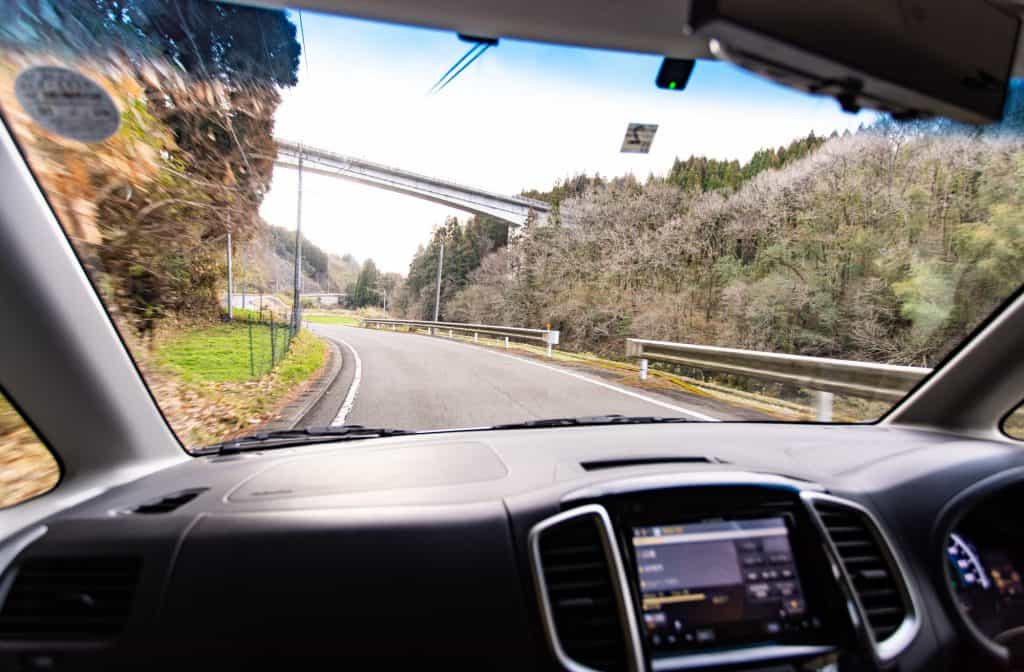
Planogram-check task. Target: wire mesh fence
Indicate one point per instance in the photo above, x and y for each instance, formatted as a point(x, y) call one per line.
point(270, 339)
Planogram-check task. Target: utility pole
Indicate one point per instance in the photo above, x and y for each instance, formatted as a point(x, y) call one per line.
point(437, 298)
point(231, 298)
point(297, 279)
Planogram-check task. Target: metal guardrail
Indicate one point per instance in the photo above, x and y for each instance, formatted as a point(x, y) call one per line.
point(825, 376)
point(548, 337)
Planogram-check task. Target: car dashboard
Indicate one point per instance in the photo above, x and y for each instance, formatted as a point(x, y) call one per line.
point(657, 547)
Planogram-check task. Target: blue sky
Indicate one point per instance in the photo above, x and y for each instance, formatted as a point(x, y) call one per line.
point(522, 116)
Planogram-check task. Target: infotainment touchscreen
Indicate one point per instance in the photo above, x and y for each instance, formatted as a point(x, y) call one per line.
point(710, 584)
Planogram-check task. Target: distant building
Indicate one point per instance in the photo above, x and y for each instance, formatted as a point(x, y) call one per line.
point(325, 299)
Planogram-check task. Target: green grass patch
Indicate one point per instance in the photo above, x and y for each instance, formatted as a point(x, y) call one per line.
point(244, 315)
point(306, 356)
point(220, 396)
point(333, 319)
point(221, 353)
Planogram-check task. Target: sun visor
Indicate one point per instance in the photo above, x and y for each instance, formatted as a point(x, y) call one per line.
point(949, 58)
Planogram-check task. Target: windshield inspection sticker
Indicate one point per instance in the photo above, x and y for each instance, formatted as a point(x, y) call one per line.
point(638, 138)
point(67, 103)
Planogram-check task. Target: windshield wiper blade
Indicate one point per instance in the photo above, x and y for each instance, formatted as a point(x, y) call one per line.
point(306, 435)
point(291, 437)
point(613, 419)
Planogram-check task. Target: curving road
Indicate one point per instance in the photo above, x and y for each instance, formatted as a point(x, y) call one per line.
point(415, 381)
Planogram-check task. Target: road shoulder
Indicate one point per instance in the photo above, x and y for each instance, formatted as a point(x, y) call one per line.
point(313, 394)
point(324, 408)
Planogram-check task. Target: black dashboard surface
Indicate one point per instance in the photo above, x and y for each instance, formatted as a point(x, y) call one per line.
point(415, 547)
point(488, 466)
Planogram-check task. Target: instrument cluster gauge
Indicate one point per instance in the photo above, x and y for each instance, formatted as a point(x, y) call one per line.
point(982, 555)
point(987, 585)
point(969, 574)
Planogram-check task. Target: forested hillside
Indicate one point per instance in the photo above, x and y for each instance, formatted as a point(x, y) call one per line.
point(699, 173)
point(695, 173)
point(886, 245)
point(324, 271)
point(466, 246)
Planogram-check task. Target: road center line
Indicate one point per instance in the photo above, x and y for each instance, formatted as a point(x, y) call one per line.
point(350, 398)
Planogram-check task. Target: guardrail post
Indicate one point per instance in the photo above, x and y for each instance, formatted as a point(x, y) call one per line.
point(551, 337)
point(506, 342)
point(643, 369)
point(823, 405)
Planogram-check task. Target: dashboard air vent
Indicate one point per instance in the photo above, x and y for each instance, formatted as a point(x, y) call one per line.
point(874, 576)
point(579, 582)
point(69, 598)
point(595, 465)
point(168, 503)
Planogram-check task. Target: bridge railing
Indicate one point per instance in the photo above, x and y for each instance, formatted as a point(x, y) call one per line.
point(825, 376)
point(357, 164)
point(549, 337)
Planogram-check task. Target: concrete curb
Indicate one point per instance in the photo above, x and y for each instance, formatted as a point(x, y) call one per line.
point(292, 414)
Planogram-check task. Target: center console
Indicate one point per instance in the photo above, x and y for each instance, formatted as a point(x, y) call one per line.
point(729, 581)
point(741, 571)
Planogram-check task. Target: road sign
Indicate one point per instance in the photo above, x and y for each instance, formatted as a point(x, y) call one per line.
point(638, 138)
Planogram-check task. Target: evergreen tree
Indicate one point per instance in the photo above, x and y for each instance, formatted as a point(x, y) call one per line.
point(365, 291)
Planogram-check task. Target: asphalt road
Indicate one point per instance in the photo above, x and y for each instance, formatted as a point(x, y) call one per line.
point(420, 382)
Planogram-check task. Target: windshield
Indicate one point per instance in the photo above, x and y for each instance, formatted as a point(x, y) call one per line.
point(300, 220)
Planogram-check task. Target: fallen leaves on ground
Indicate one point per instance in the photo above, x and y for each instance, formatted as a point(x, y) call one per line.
point(27, 468)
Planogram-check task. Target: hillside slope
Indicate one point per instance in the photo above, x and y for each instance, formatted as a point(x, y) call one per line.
point(265, 263)
point(886, 245)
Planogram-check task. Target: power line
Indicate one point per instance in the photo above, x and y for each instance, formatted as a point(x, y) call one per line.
point(305, 52)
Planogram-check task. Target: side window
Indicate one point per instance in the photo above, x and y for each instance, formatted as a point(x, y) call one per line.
point(1013, 425)
point(27, 468)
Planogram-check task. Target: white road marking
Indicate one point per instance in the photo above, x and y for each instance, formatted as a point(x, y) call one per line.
point(599, 383)
point(350, 398)
point(609, 386)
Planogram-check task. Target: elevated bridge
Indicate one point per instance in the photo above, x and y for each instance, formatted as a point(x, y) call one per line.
point(512, 209)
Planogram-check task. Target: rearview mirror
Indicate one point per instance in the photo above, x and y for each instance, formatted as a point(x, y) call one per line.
point(912, 58)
